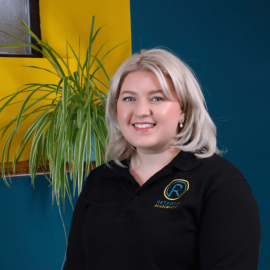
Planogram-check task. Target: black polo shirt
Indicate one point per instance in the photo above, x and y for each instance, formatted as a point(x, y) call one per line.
point(196, 214)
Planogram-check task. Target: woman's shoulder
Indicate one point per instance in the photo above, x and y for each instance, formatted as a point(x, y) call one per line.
point(216, 171)
point(103, 170)
point(218, 164)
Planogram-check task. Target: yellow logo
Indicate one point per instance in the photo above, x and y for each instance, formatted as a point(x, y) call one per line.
point(176, 189)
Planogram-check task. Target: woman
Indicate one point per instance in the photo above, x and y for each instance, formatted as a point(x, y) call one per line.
point(172, 202)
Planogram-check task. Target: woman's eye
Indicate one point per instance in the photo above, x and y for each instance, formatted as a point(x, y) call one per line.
point(159, 97)
point(124, 99)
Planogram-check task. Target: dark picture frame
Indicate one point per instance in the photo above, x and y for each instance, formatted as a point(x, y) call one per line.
point(35, 27)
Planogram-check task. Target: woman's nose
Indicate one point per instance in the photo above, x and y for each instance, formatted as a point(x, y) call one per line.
point(142, 107)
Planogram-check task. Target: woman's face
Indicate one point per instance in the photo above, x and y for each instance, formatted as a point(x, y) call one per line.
point(144, 106)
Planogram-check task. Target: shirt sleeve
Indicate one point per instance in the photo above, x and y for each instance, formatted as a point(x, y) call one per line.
point(230, 229)
point(75, 252)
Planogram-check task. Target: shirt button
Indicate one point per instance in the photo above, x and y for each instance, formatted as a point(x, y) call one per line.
point(135, 197)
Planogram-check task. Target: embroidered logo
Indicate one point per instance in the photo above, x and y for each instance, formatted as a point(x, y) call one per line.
point(176, 189)
point(172, 192)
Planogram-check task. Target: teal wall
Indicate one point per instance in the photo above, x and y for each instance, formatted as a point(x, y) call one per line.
point(31, 230)
point(227, 45)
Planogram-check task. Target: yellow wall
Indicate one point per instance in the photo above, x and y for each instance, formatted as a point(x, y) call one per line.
point(63, 20)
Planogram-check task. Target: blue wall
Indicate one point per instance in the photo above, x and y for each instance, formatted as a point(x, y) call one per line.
point(31, 230)
point(227, 44)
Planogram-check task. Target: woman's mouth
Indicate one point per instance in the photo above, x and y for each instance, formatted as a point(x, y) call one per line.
point(143, 128)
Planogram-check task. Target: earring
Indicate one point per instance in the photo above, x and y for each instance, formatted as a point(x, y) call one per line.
point(181, 125)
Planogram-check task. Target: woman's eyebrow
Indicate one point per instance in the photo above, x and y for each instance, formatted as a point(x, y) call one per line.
point(150, 92)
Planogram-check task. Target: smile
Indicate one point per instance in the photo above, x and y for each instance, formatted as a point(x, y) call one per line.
point(143, 129)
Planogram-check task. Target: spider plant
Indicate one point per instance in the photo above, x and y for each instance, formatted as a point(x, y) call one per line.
point(69, 117)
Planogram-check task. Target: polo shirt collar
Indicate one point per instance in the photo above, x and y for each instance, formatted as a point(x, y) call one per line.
point(183, 161)
point(186, 161)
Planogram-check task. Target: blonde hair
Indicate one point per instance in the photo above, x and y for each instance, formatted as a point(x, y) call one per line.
point(198, 134)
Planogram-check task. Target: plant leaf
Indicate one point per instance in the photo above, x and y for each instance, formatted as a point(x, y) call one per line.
point(41, 69)
point(64, 98)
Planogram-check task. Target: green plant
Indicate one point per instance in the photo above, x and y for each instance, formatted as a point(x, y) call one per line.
point(70, 117)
